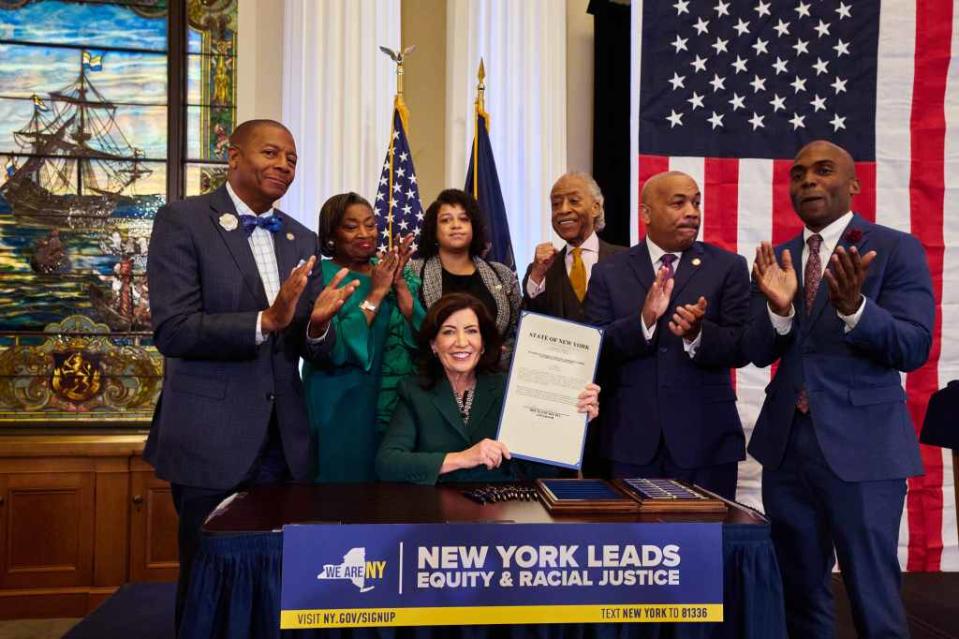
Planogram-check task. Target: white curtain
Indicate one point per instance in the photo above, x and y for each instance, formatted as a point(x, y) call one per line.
point(338, 93)
point(523, 43)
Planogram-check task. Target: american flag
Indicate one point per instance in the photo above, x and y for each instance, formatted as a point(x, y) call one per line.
point(728, 91)
point(397, 207)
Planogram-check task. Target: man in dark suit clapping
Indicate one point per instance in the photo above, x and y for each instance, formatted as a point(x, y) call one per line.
point(845, 306)
point(674, 311)
point(233, 310)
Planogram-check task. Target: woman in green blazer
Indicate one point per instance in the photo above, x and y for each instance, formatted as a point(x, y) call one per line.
point(445, 419)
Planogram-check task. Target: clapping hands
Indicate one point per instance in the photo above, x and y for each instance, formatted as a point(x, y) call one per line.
point(777, 282)
point(657, 298)
point(329, 301)
point(845, 275)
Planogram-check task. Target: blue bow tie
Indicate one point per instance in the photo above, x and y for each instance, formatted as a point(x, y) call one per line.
point(271, 223)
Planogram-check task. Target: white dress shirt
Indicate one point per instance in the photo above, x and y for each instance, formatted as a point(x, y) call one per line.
point(830, 239)
point(261, 243)
point(656, 258)
point(590, 255)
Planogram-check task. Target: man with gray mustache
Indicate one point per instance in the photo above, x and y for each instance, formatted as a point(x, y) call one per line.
point(556, 280)
point(674, 311)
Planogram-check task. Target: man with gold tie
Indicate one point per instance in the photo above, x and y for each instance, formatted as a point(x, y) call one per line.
point(556, 281)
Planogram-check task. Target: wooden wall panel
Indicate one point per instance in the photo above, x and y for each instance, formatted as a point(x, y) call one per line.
point(49, 530)
point(79, 516)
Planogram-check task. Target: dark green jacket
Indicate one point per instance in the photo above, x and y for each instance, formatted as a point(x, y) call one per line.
point(427, 425)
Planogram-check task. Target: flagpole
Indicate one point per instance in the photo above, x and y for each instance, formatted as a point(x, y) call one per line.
point(399, 106)
point(396, 105)
point(480, 109)
point(389, 186)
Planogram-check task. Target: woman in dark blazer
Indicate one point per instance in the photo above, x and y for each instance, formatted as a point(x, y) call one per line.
point(451, 248)
point(446, 418)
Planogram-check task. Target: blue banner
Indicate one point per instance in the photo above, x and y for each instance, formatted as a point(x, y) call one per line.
point(446, 574)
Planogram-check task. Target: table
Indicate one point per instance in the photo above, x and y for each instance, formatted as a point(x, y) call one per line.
point(235, 586)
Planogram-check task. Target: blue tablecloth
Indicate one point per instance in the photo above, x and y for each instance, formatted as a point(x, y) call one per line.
point(235, 592)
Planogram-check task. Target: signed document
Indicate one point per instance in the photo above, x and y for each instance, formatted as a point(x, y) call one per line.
point(553, 361)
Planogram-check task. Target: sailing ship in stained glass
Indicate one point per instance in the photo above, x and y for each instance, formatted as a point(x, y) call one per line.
point(78, 164)
point(84, 114)
point(83, 141)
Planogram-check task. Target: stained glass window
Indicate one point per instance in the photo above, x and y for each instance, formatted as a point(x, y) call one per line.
point(86, 107)
point(211, 92)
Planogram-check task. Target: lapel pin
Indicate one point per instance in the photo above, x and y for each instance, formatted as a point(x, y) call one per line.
point(696, 261)
point(852, 235)
point(289, 236)
point(229, 222)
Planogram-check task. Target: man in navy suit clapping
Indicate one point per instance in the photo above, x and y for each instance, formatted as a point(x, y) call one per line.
point(845, 306)
point(234, 307)
point(674, 311)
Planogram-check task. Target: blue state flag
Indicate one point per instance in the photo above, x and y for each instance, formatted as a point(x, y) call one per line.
point(483, 182)
point(397, 207)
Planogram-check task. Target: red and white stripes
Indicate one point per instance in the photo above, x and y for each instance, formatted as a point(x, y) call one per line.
point(911, 186)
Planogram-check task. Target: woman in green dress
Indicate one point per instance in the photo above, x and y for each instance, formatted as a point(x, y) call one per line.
point(350, 401)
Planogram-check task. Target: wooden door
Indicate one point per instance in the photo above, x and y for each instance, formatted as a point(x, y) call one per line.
point(153, 527)
point(47, 530)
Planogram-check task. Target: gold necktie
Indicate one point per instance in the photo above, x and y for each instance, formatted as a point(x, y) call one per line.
point(577, 274)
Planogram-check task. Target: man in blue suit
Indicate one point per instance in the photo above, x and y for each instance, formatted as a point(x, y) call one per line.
point(668, 404)
point(231, 413)
point(834, 436)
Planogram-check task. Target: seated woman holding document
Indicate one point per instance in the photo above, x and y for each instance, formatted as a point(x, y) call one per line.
point(445, 419)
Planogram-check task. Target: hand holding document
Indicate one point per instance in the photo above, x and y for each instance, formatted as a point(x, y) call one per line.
point(553, 361)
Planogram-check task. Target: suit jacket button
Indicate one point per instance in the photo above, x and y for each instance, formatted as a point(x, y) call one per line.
point(270, 397)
